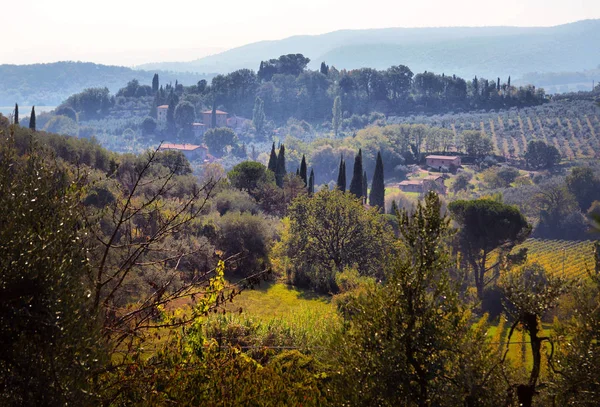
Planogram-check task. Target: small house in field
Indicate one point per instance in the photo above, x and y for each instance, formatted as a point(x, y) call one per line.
point(438, 161)
point(191, 151)
point(161, 114)
point(429, 183)
point(221, 118)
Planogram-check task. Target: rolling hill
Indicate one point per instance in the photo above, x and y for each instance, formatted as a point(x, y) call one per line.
point(50, 84)
point(484, 51)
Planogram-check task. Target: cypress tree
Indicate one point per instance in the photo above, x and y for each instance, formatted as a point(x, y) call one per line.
point(280, 171)
point(394, 210)
point(303, 171)
point(297, 171)
point(155, 83)
point(356, 185)
point(498, 85)
point(16, 113)
point(509, 81)
point(273, 160)
point(365, 187)
point(311, 182)
point(377, 196)
point(32, 119)
point(341, 181)
point(213, 117)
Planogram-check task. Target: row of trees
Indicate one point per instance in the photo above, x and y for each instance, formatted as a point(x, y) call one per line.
point(287, 89)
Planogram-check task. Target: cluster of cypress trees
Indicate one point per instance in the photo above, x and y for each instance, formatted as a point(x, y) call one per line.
point(277, 165)
point(31, 117)
point(358, 184)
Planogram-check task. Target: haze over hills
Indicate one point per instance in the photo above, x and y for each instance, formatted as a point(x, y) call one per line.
point(50, 84)
point(464, 51)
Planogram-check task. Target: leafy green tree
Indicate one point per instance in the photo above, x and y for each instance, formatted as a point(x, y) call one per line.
point(540, 155)
point(272, 160)
point(92, 102)
point(530, 293)
point(577, 357)
point(377, 195)
point(584, 185)
point(341, 181)
point(356, 184)
point(331, 231)
point(148, 126)
point(184, 116)
point(32, 119)
point(408, 341)
point(258, 116)
point(477, 144)
point(249, 176)
point(175, 161)
point(280, 171)
point(337, 115)
point(477, 240)
point(49, 337)
point(16, 119)
point(67, 111)
point(218, 138)
point(303, 171)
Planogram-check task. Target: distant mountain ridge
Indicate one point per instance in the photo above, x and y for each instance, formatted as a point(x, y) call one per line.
point(464, 51)
point(50, 84)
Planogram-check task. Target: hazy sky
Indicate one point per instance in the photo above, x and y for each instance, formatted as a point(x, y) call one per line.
point(129, 32)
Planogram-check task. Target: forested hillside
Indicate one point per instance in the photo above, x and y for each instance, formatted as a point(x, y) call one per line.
point(50, 84)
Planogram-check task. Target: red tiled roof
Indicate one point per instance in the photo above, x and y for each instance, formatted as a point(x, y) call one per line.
point(210, 111)
point(197, 124)
point(181, 147)
point(163, 107)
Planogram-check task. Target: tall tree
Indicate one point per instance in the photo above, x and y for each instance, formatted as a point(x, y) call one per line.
point(337, 115)
point(280, 170)
point(498, 85)
point(410, 353)
point(32, 119)
point(479, 243)
point(155, 83)
point(16, 113)
point(365, 187)
point(377, 195)
point(341, 181)
point(356, 184)
point(509, 82)
point(258, 116)
point(324, 69)
point(303, 170)
point(584, 185)
point(273, 160)
point(311, 182)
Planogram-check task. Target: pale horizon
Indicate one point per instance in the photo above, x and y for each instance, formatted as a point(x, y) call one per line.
point(137, 32)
